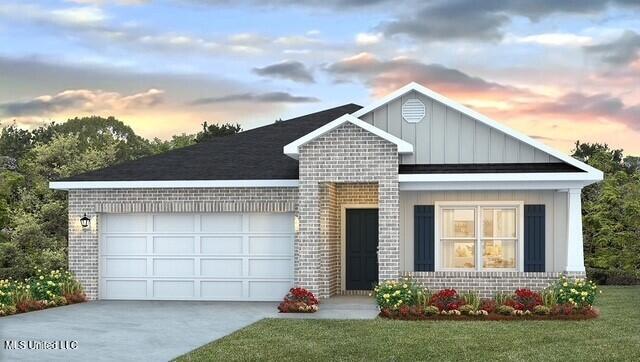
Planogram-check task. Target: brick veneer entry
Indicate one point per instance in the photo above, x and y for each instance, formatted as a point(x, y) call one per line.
point(348, 154)
point(486, 283)
point(83, 244)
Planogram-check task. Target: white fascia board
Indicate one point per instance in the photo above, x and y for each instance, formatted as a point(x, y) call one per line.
point(293, 148)
point(480, 177)
point(70, 185)
point(413, 86)
point(495, 181)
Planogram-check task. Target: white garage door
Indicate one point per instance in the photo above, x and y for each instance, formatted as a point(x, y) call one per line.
point(222, 256)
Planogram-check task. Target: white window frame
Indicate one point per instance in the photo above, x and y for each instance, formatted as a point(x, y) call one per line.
point(477, 205)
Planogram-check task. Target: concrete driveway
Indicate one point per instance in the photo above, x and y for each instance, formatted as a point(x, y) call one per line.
point(128, 330)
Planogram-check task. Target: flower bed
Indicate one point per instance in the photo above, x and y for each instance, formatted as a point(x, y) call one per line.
point(299, 300)
point(566, 299)
point(46, 289)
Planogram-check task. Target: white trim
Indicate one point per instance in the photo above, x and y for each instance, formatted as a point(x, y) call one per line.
point(293, 148)
point(476, 205)
point(495, 181)
point(413, 86)
point(343, 238)
point(69, 185)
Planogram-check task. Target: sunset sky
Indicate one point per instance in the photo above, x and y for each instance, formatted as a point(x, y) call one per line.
point(557, 70)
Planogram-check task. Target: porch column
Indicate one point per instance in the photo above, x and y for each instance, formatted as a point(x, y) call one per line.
point(575, 250)
point(389, 229)
point(308, 241)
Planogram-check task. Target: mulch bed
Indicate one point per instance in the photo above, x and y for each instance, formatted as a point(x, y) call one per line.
point(593, 313)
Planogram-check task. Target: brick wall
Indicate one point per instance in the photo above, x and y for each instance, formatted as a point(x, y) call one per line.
point(83, 244)
point(348, 155)
point(486, 283)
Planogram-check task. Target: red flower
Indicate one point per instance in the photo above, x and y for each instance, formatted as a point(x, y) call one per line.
point(447, 299)
point(526, 299)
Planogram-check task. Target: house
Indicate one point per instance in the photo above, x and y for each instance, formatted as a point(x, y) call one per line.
point(413, 185)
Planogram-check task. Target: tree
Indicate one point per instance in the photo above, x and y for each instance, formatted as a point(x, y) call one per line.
point(176, 141)
point(14, 141)
point(611, 210)
point(210, 131)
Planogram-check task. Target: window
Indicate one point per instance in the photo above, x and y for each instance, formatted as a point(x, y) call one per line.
point(479, 237)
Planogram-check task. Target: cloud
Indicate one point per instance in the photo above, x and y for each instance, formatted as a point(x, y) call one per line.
point(387, 75)
point(553, 39)
point(287, 69)
point(587, 107)
point(621, 51)
point(84, 100)
point(364, 39)
point(270, 97)
point(88, 17)
point(474, 20)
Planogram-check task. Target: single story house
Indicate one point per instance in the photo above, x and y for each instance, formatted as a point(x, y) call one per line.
point(414, 185)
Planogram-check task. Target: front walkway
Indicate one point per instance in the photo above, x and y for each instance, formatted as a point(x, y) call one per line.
point(341, 307)
point(128, 330)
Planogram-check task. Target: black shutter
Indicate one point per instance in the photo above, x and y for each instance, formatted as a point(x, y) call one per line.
point(534, 237)
point(423, 238)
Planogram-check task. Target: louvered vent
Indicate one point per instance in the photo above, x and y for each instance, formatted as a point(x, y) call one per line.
point(413, 110)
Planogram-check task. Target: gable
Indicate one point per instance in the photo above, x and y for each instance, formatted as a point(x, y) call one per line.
point(293, 149)
point(447, 136)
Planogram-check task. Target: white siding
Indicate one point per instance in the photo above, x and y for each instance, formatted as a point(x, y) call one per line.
point(555, 209)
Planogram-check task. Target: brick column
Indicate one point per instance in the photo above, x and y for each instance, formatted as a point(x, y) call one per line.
point(389, 229)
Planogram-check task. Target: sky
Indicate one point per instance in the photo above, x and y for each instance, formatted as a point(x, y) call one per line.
point(559, 71)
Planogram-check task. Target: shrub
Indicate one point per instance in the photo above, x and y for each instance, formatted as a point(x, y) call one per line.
point(505, 310)
point(7, 309)
point(431, 310)
point(541, 310)
point(446, 300)
point(613, 276)
point(488, 305)
point(6, 292)
point(472, 299)
point(299, 300)
point(501, 298)
point(580, 293)
point(549, 298)
point(525, 300)
point(393, 294)
point(467, 309)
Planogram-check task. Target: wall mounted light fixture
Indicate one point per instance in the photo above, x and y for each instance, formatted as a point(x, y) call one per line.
point(85, 221)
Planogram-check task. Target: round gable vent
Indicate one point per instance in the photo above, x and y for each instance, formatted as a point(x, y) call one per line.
point(413, 110)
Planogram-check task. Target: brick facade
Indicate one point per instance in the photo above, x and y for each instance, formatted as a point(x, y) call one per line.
point(83, 244)
point(346, 155)
point(486, 283)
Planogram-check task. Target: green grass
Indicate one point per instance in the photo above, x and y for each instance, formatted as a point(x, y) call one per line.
point(615, 335)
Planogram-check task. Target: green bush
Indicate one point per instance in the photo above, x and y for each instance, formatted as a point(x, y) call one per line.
point(541, 310)
point(549, 298)
point(613, 276)
point(393, 294)
point(580, 293)
point(472, 299)
point(431, 310)
point(45, 289)
point(505, 310)
point(502, 297)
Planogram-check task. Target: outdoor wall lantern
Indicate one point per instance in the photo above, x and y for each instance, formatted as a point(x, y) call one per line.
point(85, 221)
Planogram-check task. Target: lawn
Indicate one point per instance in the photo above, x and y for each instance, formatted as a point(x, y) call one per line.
point(613, 336)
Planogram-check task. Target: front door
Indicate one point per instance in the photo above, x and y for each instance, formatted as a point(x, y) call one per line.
point(361, 249)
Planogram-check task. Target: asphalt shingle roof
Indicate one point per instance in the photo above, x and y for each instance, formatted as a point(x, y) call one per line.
point(255, 154)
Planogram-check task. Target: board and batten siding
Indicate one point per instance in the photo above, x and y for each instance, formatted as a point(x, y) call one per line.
point(447, 136)
point(555, 218)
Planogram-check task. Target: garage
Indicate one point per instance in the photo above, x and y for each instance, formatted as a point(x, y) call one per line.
point(216, 256)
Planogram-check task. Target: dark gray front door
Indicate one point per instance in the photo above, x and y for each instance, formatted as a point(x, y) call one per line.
point(361, 249)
